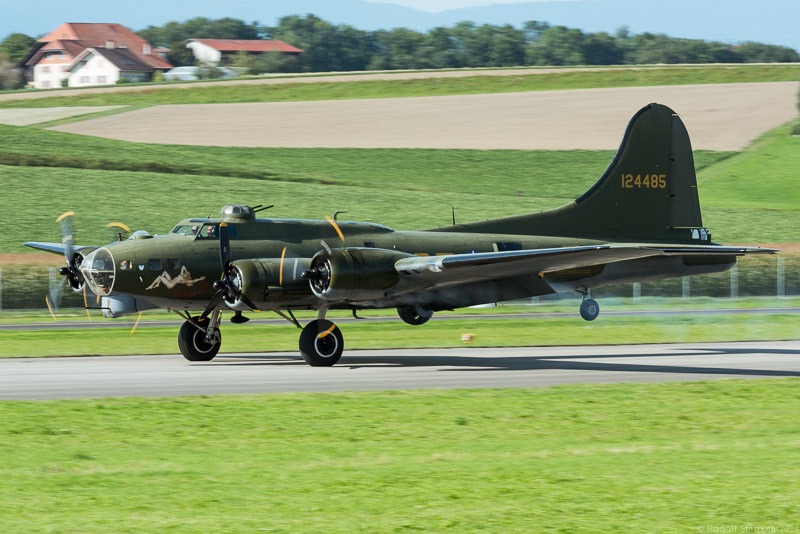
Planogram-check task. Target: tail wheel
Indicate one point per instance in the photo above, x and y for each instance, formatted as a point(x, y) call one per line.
point(321, 343)
point(590, 309)
point(414, 314)
point(193, 345)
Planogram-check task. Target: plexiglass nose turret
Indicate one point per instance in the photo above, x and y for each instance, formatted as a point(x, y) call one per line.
point(98, 270)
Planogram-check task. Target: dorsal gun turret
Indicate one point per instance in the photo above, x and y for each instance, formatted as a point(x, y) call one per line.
point(237, 213)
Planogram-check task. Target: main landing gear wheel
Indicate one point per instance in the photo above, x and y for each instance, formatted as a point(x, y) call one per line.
point(193, 345)
point(321, 343)
point(590, 309)
point(415, 314)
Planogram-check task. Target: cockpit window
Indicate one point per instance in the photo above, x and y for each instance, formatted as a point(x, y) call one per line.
point(211, 231)
point(205, 230)
point(186, 229)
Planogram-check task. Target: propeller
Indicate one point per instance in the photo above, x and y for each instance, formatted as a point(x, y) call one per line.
point(229, 286)
point(319, 275)
point(118, 230)
point(71, 271)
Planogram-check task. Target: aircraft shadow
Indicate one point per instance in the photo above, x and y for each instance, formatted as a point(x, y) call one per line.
point(467, 364)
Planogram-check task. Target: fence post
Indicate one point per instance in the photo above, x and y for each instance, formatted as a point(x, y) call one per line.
point(685, 291)
point(781, 289)
point(735, 282)
point(1, 290)
point(637, 291)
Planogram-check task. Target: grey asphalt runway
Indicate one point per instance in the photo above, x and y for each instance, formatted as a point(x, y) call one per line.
point(526, 367)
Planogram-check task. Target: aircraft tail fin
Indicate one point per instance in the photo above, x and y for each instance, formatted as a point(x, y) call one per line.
point(648, 192)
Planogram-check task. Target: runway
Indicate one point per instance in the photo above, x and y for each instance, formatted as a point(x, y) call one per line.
point(525, 367)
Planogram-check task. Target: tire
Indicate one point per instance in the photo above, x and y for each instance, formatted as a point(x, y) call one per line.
point(321, 343)
point(193, 345)
point(590, 309)
point(415, 314)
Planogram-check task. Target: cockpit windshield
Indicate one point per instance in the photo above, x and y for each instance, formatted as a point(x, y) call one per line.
point(186, 229)
point(205, 230)
point(208, 231)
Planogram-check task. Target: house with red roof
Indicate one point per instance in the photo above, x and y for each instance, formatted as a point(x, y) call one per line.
point(223, 51)
point(91, 54)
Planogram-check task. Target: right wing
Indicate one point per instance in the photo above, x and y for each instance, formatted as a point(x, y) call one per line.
point(459, 269)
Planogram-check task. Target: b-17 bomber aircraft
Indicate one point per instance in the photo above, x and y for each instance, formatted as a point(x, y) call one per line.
point(640, 221)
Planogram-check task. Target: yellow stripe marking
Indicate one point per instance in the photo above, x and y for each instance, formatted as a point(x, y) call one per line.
point(50, 308)
point(64, 216)
point(327, 332)
point(335, 227)
point(280, 271)
point(118, 225)
point(138, 318)
point(86, 304)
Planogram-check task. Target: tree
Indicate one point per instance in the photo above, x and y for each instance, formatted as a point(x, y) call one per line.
point(506, 46)
point(602, 49)
point(557, 46)
point(329, 48)
point(10, 75)
point(16, 46)
point(179, 55)
point(200, 28)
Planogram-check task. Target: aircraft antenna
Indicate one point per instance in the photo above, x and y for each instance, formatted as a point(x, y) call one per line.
point(262, 207)
point(453, 208)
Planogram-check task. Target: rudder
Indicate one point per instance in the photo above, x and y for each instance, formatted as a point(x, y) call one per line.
point(647, 193)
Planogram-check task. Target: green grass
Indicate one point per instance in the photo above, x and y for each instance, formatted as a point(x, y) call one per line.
point(369, 184)
point(152, 187)
point(505, 332)
point(479, 84)
point(614, 458)
point(756, 192)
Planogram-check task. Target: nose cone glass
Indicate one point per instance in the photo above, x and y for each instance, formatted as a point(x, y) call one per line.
point(98, 270)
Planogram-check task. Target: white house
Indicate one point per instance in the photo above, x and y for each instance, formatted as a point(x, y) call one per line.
point(55, 57)
point(103, 66)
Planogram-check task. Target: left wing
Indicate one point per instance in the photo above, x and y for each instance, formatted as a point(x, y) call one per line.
point(55, 248)
point(464, 268)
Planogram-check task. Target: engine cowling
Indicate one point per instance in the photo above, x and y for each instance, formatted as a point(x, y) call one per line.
point(257, 279)
point(354, 274)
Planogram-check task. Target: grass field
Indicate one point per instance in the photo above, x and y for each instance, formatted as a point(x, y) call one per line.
point(479, 84)
point(704, 456)
point(369, 184)
point(497, 332)
point(151, 187)
point(618, 458)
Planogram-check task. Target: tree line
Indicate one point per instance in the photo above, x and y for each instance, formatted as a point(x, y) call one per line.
point(330, 47)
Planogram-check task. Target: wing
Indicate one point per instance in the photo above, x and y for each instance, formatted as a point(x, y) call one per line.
point(55, 248)
point(465, 268)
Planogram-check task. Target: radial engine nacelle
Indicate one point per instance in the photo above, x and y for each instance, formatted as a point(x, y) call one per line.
point(354, 274)
point(260, 280)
